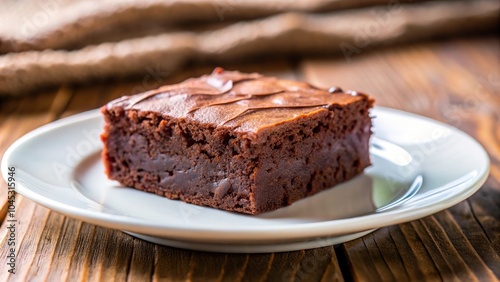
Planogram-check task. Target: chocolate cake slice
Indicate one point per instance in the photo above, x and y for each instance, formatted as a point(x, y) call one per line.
point(236, 141)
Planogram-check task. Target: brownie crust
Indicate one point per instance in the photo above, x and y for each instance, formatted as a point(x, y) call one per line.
point(235, 141)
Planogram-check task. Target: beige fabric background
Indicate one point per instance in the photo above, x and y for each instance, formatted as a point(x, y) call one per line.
point(44, 43)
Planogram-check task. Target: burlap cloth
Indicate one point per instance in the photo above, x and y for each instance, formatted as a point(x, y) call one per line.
point(44, 43)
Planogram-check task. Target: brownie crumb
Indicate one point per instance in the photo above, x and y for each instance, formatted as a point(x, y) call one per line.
point(236, 141)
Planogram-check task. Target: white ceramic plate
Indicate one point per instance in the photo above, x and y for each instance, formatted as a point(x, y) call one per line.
point(419, 167)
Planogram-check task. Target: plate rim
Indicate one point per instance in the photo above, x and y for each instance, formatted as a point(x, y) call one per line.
point(294, 231)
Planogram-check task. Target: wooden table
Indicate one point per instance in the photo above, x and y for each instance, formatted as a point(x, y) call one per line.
point(456, 81)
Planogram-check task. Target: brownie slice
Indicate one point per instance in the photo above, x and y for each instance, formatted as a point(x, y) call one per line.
point(236, 141)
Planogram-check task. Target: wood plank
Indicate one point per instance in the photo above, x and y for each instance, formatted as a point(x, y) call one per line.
point(171, 264)
point(80, 257)
point(486, 263)
point(319, 264)
point(207, 266)
point(413, 253)
point(142, 262)
point(65, 247)
point(235, 267)
point(18, 117)
point(24, 215)
point(51, 228)
point(119, 254)
point(445, 249)
point(388, 250)
point(333, 272)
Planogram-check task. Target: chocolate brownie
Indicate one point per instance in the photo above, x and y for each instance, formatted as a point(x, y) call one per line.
point(237, 141)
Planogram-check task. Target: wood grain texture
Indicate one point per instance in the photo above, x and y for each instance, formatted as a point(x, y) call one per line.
point(19, 116)
point(455, 81)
